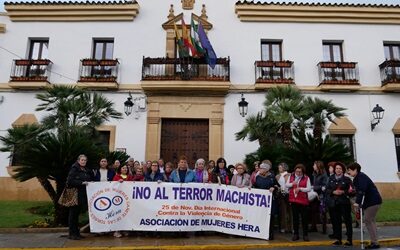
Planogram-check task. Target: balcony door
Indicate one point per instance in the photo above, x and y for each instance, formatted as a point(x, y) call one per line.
point(103, 49)
point(333, 52)
point(189, 137)
point(392, 53)
point(38, 49)
point(271, 51)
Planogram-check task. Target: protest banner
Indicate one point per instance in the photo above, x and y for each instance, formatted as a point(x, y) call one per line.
point(150, 206)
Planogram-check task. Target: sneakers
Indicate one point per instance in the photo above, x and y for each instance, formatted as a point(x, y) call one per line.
point(373, 246)
point(117, 234)
point(337, 243)
point(348, 243)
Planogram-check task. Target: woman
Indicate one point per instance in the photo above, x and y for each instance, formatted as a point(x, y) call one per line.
point(368, 198)
point(318, 211)
point(211, 164)
point(241, 178)
point(337, 192)
point(220, 173)
point(255, 172)
point(79, 177)
point(154, 174)
point(116, 165)
point(201, 171)
point(103, 173)
point(299, 185)
point(168, 170)
point(121, 176)
point(266, 180)
point(285, 213)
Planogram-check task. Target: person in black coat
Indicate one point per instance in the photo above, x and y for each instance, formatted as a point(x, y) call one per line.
point(103, 173)
point(78, 177)
point(337, 191)
point(368, 198)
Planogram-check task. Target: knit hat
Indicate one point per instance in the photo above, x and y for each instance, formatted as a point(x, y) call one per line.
point(265, 166)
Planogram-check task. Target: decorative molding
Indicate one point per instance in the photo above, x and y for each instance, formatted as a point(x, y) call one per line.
point(396, 127)
point(391, 87)
point(275, 12)
point(262, 86)
point(216, 121)
point(25, 119)
point(112, 129)
point(64, 12)
point(339, 88)
point(153, 120)
point(185, 106)
point(28, 85)
point(187, 4)
point(98, 85)
point(171, 12)
point(2, 28)
point(343, 126)
point(169, 25)
point(186, 87)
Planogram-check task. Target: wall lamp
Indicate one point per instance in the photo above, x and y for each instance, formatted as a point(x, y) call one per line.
point(135, 105)
point(377, 113)
point(243, 106)
point(128, 105)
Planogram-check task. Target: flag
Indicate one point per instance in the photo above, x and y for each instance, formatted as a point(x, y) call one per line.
point(183, 51)
point(194, 36)
point(205, 43)
point(186, 41)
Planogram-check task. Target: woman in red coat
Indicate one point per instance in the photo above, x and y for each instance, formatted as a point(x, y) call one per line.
point(123, 174)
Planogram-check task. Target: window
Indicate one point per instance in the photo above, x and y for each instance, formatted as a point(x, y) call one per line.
point(349, 141)
point(397, 143)
point(332, 51)
point(105, 136)
point(103, 49)
point(38, 49)
point(392, 51)
point(271, 50)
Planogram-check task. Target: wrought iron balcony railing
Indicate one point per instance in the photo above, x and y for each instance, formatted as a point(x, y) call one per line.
point(30, 70)
point(274, 72)
point(390, 71)
point(338, 73)
point(93, 70)
point(195, 69)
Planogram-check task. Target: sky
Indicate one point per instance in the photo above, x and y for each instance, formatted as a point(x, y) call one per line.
point(397, 2)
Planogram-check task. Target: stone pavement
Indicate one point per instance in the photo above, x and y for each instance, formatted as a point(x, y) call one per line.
point(52, 239)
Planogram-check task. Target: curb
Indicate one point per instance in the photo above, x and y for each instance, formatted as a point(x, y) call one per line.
point(384, 242)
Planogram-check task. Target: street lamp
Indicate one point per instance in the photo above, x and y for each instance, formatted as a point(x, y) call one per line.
point(243, 106)
point(377, 113)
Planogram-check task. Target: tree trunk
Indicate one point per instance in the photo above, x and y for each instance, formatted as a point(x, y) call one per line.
point(60, 212)
point(317, 130)
point(287, 135)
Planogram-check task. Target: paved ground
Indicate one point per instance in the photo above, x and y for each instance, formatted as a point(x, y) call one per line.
point(389, 236)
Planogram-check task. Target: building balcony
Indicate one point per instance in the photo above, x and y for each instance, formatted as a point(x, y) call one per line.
point(338, 76)
point(189, 75)
point(271, 73)
point(30, 73)
point(98, 74)
point(390, 75)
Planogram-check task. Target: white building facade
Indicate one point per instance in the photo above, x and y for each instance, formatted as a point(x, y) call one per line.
point(362, 42)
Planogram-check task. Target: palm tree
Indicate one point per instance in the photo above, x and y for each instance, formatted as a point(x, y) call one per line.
point(321, 111)
point(259, 128)
point(283, 105)
point(47, 151)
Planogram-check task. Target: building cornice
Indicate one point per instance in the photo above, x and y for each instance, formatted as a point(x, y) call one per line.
point(318, 13)
point(72, 11)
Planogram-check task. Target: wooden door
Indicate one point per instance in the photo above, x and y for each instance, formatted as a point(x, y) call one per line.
point(187, 137)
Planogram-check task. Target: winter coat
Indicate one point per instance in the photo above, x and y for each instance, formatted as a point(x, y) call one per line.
point(365, 187)
point(343, 183)
point(110, 174)
point(76, 177)
point(189, 177)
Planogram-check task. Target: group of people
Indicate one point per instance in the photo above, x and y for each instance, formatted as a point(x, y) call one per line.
point(295, 195)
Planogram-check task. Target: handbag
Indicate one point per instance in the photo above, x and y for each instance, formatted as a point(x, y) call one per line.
point(69, 197)
point(312, 195)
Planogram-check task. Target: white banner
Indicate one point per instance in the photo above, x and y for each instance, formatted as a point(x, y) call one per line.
point(151, 206)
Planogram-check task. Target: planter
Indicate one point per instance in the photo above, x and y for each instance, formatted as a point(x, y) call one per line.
point(264, 63)
point(88, 79)
point(89, 62)
point(347, 65)
point(22, 62)
point(328, 65)
point(41, 62)
point(108, 62)
point(283, 64)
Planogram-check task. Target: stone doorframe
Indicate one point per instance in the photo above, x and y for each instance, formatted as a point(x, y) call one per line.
point(211, 108)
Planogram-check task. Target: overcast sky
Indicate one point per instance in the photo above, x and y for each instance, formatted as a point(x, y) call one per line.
point(305, 1)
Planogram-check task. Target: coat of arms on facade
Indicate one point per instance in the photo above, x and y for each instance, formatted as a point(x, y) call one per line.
point(187, 4)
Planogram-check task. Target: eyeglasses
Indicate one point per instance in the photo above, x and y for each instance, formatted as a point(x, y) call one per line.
point(154, 165)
